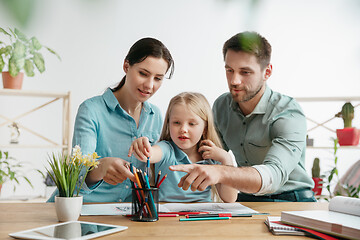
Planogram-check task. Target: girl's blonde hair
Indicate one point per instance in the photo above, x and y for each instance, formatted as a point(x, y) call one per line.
point(199, 105)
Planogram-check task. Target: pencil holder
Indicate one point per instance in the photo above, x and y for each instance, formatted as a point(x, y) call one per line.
point(145, 204)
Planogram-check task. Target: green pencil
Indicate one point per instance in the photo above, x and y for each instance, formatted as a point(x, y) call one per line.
point(204, 219)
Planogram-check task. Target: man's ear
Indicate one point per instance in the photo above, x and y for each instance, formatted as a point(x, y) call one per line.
point(268, 72)
point(126, 66)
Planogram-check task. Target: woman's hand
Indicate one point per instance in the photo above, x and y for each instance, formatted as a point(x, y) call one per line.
point(112, 170)
point(142, 149)
point(209, 150)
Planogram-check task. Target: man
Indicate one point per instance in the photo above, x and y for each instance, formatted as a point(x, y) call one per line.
point(265, 130)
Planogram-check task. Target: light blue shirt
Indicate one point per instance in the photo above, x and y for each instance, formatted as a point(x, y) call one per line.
point(272, 139)
point(169, 190)
point(102, 126)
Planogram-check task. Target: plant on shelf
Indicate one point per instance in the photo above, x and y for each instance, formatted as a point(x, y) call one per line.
point(65, 171)
point(348, 136)
point(332, 176)
point(315, 171)
point(20, 53)
point(11, 170)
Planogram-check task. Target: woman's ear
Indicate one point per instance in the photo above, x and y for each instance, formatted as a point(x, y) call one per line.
point(126, 66)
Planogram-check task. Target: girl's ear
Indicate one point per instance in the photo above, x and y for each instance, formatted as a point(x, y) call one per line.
point(126, 66)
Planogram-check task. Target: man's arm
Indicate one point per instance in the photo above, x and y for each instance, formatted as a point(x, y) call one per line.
point(199, 177)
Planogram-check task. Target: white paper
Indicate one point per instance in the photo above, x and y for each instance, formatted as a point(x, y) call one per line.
point(125, 208)
point(234, 208)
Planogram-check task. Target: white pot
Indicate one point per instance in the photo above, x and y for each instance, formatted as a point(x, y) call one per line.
point(68, 208)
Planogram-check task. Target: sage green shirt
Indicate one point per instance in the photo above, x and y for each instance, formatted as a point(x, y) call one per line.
point(272, 139)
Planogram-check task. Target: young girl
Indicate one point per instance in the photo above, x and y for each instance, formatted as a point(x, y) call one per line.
point(188, 136)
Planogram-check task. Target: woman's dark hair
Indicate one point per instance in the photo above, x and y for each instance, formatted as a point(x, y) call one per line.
point(142, 49)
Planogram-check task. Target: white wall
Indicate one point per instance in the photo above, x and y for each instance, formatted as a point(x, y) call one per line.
point(316, 47)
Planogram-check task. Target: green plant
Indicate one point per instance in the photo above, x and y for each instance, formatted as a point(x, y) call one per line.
point(347, 114)
point(333, 175)
point(352, 191)
point(11, 170)
point(315, 170)
point(21, 53)
point(65, 171)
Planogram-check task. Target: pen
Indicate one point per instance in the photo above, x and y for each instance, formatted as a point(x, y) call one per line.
point(204, 219)
point(217, 215)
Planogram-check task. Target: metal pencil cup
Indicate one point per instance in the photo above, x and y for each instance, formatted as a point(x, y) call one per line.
point(145, 204)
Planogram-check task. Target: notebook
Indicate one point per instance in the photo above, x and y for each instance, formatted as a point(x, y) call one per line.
point(277, 228)
point(342, 219)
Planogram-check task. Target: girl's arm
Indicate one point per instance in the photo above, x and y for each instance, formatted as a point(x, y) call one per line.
point(209, 150)
point(227, 193)
point(143, 150)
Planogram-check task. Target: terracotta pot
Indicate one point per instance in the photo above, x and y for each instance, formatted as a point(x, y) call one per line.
point(348, 136)
point(68, 208)
point(12, 82)
point(318, 185)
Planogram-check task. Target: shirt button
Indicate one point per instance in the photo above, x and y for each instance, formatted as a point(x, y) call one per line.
point(244, 123)
point(120, 200)
point(241, 144)
point(134, 137)
point(127, 187)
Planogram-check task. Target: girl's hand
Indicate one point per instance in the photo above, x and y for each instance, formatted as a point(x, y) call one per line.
point(209, 150)
point(141, 147)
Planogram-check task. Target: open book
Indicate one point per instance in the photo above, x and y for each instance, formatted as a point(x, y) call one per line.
point(342, 219)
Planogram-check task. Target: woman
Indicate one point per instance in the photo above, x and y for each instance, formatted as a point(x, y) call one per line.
point(109, 123)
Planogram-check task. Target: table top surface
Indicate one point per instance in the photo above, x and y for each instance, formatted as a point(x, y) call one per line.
point(16, 217)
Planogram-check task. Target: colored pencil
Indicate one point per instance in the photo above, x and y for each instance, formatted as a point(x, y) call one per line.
point(161, 181)
point(204, 219)
point(217, 215)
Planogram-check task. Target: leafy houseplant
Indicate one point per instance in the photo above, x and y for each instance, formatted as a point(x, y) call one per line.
point(11, 170)
point(315, 171)
point(65, 171)
point(21, 53)
point(348, 136)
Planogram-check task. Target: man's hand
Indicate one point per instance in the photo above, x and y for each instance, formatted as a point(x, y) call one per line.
point(199, 176)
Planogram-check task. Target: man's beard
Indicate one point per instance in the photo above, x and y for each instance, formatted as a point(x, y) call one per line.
point(248, 96)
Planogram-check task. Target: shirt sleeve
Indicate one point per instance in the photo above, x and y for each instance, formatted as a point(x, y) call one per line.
point(288, 134)
point(85, 135)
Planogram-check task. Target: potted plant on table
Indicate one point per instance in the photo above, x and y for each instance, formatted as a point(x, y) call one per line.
point(65, 172)
point(315, 171)
point(348, 136)
point(20, 53)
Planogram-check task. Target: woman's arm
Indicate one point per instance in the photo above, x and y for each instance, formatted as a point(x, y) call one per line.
point(143, 150)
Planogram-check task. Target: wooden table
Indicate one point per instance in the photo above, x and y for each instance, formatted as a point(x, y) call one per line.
point(16, 217)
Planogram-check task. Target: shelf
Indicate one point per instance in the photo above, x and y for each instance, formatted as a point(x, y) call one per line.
point(342, 147)
point(65, 143)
